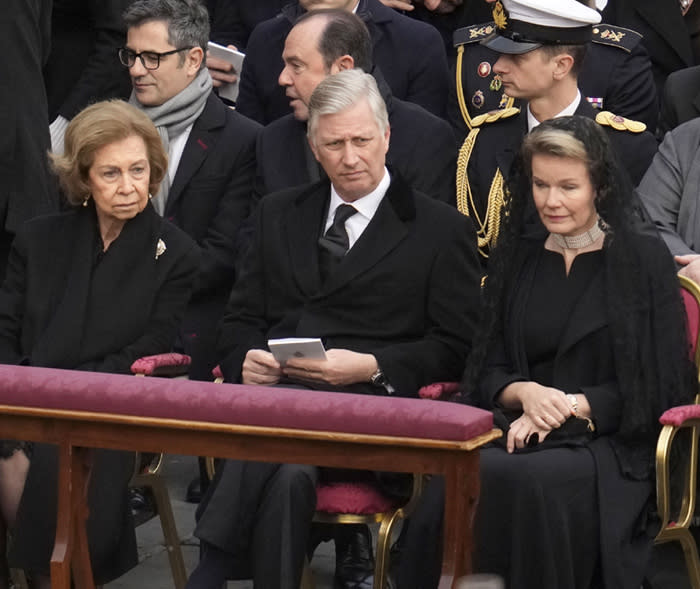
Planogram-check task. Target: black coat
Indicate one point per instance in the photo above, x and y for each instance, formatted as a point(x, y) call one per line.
point(422, 149)
point(25, 188)
point(232, 21)
point(615, 73)
point(665, 33)
point(407, 291)
point(409, 53)
point(83, 66)
point(211, 195)
point(680, 101)
point(586, 363)
point(66, 305)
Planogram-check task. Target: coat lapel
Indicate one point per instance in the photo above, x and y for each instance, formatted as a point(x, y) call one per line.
point(385, 231)
point(302, 227)
point(669, 24)
point(202, 140)
point(588, 315)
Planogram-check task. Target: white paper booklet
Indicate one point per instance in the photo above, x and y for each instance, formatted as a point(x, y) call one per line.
point(228, 91)
point(296, 347)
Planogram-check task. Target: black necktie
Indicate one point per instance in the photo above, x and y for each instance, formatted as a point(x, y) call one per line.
point(335, 243)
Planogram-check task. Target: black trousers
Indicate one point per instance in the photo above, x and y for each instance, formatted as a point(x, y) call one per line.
point(261, 514)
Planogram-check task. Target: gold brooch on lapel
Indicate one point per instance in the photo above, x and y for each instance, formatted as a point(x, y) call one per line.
point(160, 248)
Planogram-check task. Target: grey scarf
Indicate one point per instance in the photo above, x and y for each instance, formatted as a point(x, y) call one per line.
point(174, 116)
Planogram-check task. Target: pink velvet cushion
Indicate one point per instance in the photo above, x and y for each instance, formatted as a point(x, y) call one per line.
point(148, 365)
point(52, 388)
point(438, 390)
point(356, 498)
point(216, 372)
point(676, 416)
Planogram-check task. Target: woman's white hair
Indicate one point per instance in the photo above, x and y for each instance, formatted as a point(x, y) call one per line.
point(344, 90)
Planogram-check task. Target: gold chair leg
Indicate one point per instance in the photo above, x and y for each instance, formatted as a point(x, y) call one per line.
point(381, 564)
point(690, 552)
point(167, 522)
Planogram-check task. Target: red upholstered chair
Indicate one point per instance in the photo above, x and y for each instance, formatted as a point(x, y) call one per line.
point(676, 527)
point(356, 503)
point(147, 467)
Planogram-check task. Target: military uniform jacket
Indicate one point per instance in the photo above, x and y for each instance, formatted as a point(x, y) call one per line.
point(497, 144)
point(615, 76)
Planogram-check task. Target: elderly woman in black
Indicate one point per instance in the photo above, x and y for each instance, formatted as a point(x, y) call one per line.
point(584, 348)
point(94, 289)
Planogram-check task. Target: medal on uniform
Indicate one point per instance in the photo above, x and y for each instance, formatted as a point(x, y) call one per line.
point(496, 83)
point(596, 102)
point(484, 69)
point(504, 101)
point(478, 99)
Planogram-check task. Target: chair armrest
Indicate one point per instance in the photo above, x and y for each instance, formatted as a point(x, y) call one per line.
point(170, 364)
point(677, 416)
point(439, 390)
point(217, 374)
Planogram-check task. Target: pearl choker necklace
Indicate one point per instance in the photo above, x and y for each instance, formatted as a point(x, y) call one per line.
point(577, 242)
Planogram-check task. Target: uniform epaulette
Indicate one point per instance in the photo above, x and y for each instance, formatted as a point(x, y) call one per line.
point(606, 34)
point(495, 115)
point(608, 119)
point(472, 34)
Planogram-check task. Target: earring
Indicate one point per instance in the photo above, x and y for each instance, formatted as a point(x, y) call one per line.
point(150, 196)
point(85, 202)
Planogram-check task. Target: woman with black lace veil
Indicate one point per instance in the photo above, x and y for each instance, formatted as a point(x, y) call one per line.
point(583, 347)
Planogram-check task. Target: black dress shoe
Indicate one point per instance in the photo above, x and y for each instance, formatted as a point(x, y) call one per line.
point(194, 491)
point(354, 559)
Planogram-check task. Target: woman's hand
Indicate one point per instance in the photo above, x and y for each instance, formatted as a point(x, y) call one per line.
point(521, 430)
point(340, 367)
point(546, 407)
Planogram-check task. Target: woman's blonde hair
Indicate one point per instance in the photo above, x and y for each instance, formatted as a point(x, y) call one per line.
point(96, 126)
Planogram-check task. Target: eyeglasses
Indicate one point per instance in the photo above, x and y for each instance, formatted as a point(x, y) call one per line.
point(149, 59)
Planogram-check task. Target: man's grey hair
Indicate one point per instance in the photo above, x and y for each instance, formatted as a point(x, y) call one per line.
point(187, 21)
point(342, 91)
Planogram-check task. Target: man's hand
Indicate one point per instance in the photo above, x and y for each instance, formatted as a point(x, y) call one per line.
point(222, 72)
point(260, 367)
point(438, 6)
point(341, 367)
point(398, 4)
point(691, 266)
point(521, 430)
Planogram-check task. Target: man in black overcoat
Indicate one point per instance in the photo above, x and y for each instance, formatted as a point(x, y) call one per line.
point(25, 186)
point(386, 277)
point(422, 147)
point(410, 54)
point(211, 154)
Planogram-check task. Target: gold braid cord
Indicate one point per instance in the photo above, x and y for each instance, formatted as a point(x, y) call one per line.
point(487, 227)
point(460, 89)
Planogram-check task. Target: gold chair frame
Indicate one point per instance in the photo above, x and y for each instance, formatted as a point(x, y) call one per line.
point(386, 519)
point(153, 480)
point(678, 529)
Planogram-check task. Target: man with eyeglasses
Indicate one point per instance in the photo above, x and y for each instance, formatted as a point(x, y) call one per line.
point(211, 153)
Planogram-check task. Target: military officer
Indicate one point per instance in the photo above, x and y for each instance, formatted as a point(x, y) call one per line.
point(615, 75)
point(541, 44)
